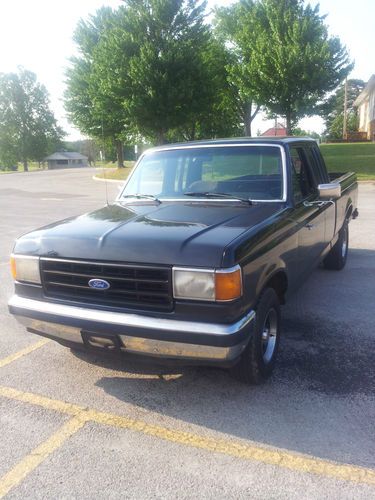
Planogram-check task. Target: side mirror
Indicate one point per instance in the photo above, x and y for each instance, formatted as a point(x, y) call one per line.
point(330, 191)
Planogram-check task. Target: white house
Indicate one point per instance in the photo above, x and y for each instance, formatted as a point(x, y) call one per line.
point(365, 103)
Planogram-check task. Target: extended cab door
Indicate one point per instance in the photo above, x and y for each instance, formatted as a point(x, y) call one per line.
point(309, 218)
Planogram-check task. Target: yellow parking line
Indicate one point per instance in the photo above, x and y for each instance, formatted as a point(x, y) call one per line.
point(39, 454)
point(279, 457)
point(42, 401)
point(23, 352)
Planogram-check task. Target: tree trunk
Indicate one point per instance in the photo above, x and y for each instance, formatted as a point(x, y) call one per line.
point(247, 119)
point(25, 166)
point(288, 117)
point(120, 154)
point(160, 137)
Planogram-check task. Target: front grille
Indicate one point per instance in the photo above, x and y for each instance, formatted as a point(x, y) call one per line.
point(130, 286)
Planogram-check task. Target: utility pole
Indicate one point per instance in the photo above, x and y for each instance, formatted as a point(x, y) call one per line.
point(344, 131)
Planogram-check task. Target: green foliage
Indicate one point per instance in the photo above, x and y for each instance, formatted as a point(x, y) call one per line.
point(87, 106)
point(218, 114)
point(156, 70)
point(227, 24)
point(28, 129)
point(150, 70)
point(177, 83)
point(332, 109)
point(299, 132)
point(336, 128)
point(288, 58)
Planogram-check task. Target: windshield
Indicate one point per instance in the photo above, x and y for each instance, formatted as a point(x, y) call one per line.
point(245, 172)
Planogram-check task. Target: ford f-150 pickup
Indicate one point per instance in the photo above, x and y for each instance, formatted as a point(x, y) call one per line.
point(194, 258)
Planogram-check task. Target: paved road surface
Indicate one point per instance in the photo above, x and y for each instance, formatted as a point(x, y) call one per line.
point(192, 432)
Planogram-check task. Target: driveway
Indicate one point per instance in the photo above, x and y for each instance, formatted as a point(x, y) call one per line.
point(88, 427)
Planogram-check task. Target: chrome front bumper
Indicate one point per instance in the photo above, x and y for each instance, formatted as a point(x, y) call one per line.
point(145, 335)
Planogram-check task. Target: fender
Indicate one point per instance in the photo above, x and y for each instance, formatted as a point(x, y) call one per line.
point(277, 273)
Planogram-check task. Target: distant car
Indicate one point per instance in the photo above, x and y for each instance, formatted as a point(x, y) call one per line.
point(194, 258)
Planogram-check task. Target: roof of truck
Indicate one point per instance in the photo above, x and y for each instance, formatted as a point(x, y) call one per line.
point(238, 140)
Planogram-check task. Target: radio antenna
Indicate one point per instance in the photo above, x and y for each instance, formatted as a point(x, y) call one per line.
point(103, 167)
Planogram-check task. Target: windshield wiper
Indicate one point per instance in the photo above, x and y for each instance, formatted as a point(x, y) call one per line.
point(213, 194)
point(140, 196)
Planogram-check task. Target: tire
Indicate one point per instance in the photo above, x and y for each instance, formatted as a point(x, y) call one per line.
point(258, 359)
point(336, 259)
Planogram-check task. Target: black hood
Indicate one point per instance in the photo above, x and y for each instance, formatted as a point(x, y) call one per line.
point(188, 233)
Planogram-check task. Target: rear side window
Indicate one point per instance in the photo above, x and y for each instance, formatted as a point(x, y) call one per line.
point(324, 177)
point(303, 182)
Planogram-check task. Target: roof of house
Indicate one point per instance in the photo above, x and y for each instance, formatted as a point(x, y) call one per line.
point(66, 155)
point(365, 92)
point(277, 131)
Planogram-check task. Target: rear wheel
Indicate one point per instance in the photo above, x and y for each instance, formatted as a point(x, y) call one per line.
point(336, 259)
point(258, 359)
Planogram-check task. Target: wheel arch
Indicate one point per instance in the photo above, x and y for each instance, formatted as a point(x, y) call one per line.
point(349, 211)
point(278, 280)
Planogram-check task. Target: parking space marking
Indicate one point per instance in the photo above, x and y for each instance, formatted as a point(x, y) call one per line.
point(23, 352)
point(39, 454)
point(277, 457)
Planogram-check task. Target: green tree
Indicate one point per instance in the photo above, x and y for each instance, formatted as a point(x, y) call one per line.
point(227, 25)
point(219, 117)
point(91, 107)
point(337, 125)
point(299, 132)
point(28, 129)
point(169, 79)
point(332, 109)
point(290, 60)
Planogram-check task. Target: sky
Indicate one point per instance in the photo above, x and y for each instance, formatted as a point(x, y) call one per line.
point(37, 35)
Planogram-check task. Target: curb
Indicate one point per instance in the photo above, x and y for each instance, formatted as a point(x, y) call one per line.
point(101, 179)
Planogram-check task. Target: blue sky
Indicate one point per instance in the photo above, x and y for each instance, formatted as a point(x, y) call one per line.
point(37, 34)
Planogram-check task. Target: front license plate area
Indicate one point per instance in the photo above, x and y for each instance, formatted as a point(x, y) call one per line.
point(99, 342)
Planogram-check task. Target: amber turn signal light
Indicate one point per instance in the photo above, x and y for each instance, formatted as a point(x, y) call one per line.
point(13, 268)
point(228, 284)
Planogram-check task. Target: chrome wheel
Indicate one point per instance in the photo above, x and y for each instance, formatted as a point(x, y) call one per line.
point(269, 335)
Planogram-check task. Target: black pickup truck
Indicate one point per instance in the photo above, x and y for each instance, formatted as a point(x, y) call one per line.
point(195, 256)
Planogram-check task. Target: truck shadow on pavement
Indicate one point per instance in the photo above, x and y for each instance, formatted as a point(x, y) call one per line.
point(320, 399)
point(319, 356)
point(307, 405)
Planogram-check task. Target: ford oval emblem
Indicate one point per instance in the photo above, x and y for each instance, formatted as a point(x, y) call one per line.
point(99, 284)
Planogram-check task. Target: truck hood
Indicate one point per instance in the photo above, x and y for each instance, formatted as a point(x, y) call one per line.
point(179, 233)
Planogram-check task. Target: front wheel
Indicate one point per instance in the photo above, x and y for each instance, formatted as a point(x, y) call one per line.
point(336, 259)
point(258, 359)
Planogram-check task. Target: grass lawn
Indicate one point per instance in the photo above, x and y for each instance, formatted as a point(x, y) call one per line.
point(354, 157)
point(33, 167)
point(111, 172)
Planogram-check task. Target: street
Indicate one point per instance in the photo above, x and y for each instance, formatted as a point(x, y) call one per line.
point(81, 426)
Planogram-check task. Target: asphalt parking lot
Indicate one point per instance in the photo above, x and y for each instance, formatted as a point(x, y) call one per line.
point(80, 426)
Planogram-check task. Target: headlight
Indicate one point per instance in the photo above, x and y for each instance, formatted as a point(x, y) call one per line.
point(207, 284)
point(25, 268)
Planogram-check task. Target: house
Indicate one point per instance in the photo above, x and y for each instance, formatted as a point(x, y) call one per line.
point(365, 103)
point(277, 131)
point(64, 159)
